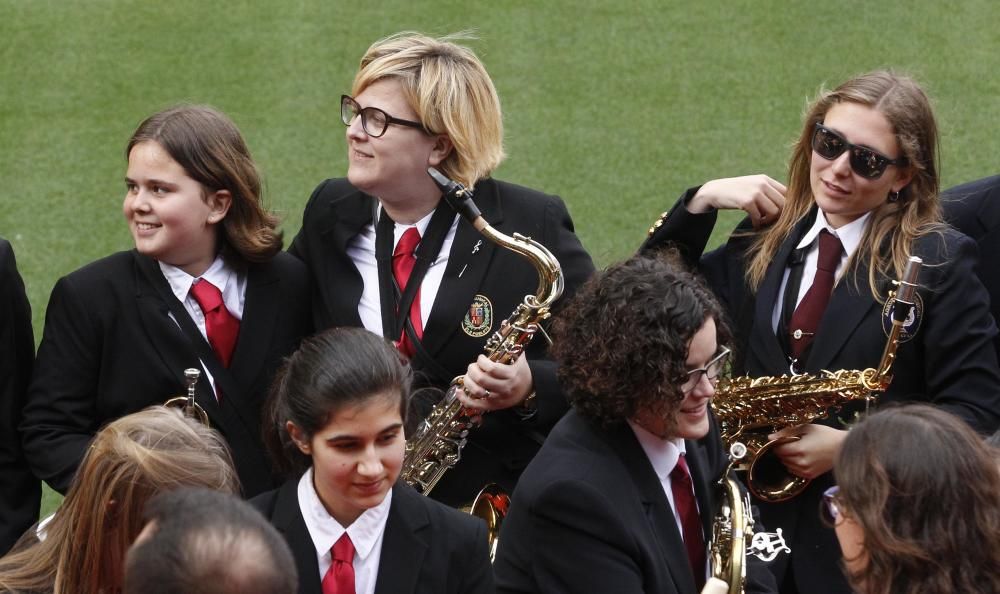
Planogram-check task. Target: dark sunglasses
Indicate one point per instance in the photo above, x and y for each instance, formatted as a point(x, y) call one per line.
point(712, 371)
point(374, 121)
point(867, 163)
point(829, 509)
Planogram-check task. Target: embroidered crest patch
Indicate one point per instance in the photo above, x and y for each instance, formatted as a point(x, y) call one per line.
point(479, 319)
point(913, 320)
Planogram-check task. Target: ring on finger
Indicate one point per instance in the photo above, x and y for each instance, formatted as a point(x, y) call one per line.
point(486, 395)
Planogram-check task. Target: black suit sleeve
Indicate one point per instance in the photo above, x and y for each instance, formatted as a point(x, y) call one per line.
point(60, 417)
point(20, 491)
point(476, 567)
point(577, 267)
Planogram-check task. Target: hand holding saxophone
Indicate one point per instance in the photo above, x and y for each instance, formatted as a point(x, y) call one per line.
point(811, 449)
point(490, 385)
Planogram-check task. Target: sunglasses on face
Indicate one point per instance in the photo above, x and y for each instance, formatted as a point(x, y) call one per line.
point(867, 163)
point(712, 371)
point(374, 121)
point(829, 509)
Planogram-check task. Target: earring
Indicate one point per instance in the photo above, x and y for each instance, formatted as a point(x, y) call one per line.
point(893, 196)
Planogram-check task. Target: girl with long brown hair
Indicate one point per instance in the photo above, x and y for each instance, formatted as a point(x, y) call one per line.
point(805, 278)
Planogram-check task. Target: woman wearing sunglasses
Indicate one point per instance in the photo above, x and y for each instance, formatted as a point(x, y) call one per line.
point(805, 277)
point(916, 507)
point(419, 102)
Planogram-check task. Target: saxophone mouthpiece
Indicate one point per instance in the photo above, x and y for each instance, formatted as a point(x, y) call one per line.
point(456, 195)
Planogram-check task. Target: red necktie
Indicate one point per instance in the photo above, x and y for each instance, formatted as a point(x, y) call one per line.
point(339, 579)
point(805, 320)
point(220, 325)
point(687, 509)
point(403, 261)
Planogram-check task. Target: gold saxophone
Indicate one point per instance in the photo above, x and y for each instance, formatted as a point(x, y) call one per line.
point(749, 409)
point(437, 443)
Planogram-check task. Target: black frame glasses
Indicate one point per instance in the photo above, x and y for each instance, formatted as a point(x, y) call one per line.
point(829, 508)
point(866, 162)
point(712, 370)
point(374, 121)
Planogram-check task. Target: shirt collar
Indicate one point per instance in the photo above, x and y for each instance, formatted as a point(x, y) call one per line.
point(219, 274)
point(849, 234)
point(400, 228)
point(364, 532)
point(662, 453)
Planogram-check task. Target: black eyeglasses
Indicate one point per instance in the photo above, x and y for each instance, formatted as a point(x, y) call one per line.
point(374, 121)
point(867, 163)
point(712, 371)
point(829, 509)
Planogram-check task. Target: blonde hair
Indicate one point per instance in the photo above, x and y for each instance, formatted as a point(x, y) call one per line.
point(450, 91)
point(894, 225)
point(129, 461)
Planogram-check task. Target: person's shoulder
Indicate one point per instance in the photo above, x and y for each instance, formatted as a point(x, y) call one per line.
point(111, 269)
point(517, 196)
point(268, 502)
point(332, 190)
point(974, 207)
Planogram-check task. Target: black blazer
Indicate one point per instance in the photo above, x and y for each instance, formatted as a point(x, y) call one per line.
point(974, 209)
point(428, 548)
point(590, 515)
point(110, 349)
point(20, 491)
point(500, 449)
point(949, 362)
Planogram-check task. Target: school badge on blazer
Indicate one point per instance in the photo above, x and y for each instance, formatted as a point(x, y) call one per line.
point(479, 319)
point(913, 320)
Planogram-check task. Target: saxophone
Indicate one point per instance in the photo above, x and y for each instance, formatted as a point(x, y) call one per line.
point(436, 445)
point(749, 409)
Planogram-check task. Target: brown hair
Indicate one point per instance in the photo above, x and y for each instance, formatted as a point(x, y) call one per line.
point(129, 461)
point(894, 225)
point(622, 341)
point(923, 487)
point(450, 91)
point(210, 148)
point(333, 369)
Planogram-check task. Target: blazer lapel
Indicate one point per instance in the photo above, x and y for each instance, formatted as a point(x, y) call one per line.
point(468, 262)
point(763, 342)
point(287, 518)
point(404, 544)
point(658, 510)
point(848, 306)
point(341, 284)
point(260, 315)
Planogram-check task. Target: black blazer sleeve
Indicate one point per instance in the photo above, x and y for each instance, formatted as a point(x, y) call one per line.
point(60, 417)
point(20, 491)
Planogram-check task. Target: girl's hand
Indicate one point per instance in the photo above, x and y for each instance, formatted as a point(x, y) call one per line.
point(761, 196)
point(813, 451)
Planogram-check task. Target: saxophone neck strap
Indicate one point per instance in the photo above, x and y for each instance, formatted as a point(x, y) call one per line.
point(391, 299)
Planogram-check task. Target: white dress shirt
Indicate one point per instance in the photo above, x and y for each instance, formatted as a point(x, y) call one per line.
point(361, 250)
point(366, 534)
point(850, 237)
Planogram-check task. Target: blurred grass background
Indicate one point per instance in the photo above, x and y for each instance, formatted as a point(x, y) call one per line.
point(616, 106)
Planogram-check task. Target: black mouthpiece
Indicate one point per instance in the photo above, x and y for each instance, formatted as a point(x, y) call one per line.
point(456, 195)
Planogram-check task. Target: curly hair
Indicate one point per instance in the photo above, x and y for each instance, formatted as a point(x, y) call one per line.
point(923, 487)
point(622, 341)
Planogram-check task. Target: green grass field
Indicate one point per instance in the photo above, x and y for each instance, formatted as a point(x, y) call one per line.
point(616, 106)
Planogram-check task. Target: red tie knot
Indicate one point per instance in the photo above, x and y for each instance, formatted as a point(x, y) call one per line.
point(208, 296)
point(343, 549)
point(407, 243)
point(680, 471)
point(830, 251)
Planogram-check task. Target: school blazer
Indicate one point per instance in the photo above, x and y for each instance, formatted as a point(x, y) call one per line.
point(590, 515)
point(20, 491)
point(974, 209)
point(500, 449)
point(949, 361)
point(428, 548)
point(110, 348)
